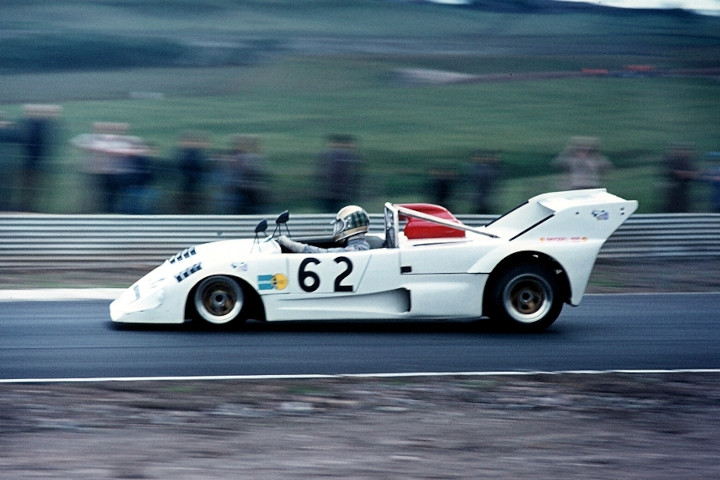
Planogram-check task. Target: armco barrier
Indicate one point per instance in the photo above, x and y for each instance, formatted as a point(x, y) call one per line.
point(90, 241)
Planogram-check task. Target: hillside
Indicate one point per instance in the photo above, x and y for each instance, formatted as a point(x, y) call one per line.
point(88, 35)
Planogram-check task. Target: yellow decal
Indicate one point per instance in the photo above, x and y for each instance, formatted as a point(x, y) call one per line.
point(279, 281)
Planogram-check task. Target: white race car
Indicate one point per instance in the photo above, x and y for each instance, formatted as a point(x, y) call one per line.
point(518, 270)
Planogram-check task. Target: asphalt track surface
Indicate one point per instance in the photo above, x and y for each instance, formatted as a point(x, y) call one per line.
point(76, 339)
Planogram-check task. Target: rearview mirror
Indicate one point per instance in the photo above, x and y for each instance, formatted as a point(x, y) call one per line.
point(283, 218)
point(261, 227)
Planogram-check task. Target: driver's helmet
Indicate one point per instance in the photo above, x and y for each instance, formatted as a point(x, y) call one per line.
point(349, 221)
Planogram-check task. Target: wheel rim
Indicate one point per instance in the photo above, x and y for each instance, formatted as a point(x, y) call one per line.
point(528, 298)
point(218, 300)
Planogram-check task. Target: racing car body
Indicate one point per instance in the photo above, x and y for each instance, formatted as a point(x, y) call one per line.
point(424, 264)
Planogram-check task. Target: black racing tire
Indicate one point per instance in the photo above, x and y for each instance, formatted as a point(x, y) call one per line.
point(219, 300)
point(524, 298)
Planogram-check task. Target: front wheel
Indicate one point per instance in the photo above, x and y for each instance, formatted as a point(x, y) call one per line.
point(218, 300)
point(525, 298)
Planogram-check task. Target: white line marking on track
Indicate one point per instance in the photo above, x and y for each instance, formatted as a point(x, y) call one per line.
point(59, 294)
point(646, 294)
point(509, 373)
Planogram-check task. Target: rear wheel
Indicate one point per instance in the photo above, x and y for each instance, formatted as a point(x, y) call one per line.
point(525, 298)
point(218, 300)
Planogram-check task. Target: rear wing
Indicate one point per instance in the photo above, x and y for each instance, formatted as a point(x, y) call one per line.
point(592, 213)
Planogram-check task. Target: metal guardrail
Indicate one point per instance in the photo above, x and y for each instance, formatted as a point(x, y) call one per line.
point(113, 241)
point(666, 235)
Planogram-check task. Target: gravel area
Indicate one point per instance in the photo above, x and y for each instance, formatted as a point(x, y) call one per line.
point(638, 275)
point(540, 426)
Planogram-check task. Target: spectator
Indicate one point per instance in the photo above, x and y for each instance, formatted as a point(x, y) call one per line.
point(442, 182)
point(191, 161)
point(483, 176)
point(340, 173)
point(6, 129)
point(712, 176)
point(248, 175)
point(680, 171)
point(8, 164)
point(109, 153)
point(36, 137)
point(583, 163)
point(140, 196)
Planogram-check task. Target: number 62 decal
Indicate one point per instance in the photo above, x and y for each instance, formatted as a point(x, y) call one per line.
point(309, 280)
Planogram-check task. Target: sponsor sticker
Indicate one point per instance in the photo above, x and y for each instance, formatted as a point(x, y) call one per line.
point(242, 266)
point(277, 281)
point(601, 214)
point(564, 239)
point(187, 253)
point(188, 271)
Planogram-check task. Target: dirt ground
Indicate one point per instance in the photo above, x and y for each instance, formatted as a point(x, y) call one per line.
point(642, 275)
point(542, 426)
point(579, 426)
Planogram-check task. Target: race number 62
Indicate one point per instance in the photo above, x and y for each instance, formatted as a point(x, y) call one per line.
point(309, 280)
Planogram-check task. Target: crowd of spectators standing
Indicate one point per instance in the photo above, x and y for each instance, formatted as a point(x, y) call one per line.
point(125, 174)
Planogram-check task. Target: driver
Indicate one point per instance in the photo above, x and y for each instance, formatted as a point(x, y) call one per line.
point(351, 225)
